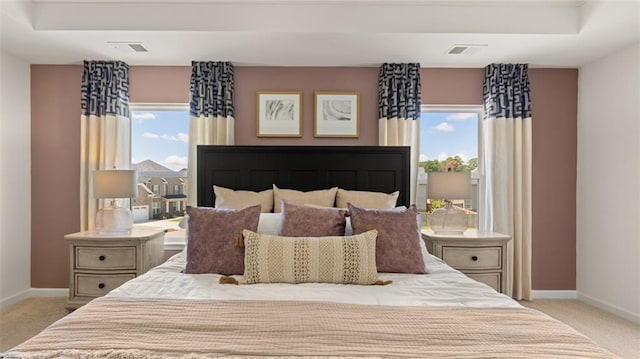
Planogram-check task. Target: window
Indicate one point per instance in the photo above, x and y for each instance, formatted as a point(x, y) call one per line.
point(155, 208)
point(449, 140)
point(175, 206)
point(159, 151)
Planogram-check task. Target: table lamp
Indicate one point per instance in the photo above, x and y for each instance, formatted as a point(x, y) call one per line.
point(449, 186)
point(114, 184)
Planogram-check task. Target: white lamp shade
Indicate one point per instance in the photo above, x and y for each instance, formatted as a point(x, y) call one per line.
point(449, 185)
point(115, 184)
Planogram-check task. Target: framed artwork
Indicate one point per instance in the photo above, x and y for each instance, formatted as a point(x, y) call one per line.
point(279, 114)
point(336, 114)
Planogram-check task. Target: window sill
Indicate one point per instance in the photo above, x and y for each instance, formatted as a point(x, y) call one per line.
point(175, 239)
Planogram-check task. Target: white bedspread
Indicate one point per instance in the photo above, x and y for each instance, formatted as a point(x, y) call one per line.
point(167, 314)
point(443, 286)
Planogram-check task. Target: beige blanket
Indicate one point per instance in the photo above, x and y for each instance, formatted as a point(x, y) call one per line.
point(128, 328)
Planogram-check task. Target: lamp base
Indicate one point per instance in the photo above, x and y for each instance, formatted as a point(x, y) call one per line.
point(449, 220)
point(114, 219)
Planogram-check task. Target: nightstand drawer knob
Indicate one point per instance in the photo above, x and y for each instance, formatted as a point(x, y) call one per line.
point(102, 258)
point(101, 285)
point(474, 258)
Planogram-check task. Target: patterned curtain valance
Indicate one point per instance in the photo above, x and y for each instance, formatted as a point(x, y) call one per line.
point(211, 89)
point(506, 91)
point(105, 88)
point(399, 91)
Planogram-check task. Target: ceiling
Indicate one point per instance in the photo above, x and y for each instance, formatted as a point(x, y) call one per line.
point(565, 33)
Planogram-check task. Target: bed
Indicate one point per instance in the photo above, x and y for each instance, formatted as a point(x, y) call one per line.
point(166, 313)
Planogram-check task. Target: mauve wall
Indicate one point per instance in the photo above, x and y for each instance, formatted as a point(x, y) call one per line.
point(55, 136)
point(55, 171)
point(248, 80)
point(554, 94)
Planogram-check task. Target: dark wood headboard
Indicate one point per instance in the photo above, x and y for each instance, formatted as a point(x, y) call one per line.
point(304, 168)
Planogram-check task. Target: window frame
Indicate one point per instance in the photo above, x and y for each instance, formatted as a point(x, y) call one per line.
point(479, 109)
point(174, 240)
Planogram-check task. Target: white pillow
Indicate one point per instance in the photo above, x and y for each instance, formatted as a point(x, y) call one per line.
point(269, 223)
point(236, 199)
point(366, 199)
point(323, 197)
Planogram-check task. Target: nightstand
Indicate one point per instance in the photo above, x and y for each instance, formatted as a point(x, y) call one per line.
point(480, 255)
point(99, 262)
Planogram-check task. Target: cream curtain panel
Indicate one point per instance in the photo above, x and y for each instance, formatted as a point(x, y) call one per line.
point(506, 131)
point(211, 111)
point(105, 129)
point(399, 100)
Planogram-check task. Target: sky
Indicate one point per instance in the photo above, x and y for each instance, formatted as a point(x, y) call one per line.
point(447, 134)
point(161, 136)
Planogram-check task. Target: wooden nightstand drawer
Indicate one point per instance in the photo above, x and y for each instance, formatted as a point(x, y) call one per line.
point(493, 280)
point(466, 258)
point(116, 258)
point(89, 285)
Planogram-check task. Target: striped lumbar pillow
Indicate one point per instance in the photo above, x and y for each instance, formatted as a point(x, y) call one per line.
point(336, 259)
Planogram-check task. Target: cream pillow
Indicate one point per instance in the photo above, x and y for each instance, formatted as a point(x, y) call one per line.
point(324, 197)
point(230, 199)
point(365, 199)
point(338, 259)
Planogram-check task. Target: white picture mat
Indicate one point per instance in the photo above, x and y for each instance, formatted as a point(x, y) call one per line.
point(279, 114)
point(336, 115)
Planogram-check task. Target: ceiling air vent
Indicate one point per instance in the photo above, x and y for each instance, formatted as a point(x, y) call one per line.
point(457, 50)
point(466, 49)
point(128, 46)
point(138, 48)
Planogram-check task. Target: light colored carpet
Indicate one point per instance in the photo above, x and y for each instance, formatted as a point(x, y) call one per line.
point(618, 335)
point(622, 337)
point(28, 318)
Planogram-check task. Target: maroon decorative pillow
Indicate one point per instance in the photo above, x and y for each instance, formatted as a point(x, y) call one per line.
point(211, 238)
point(398, 247)
point(306, 221)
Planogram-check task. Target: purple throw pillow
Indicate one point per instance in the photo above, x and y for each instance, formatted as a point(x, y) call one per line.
point(307, 221)
point(398, 245)
point(211, 239)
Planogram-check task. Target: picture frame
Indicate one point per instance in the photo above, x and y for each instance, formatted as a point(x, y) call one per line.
point(337, 114)
point(279, 114)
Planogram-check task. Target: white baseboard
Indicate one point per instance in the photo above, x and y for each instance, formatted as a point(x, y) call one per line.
point(33, 292)
point(554, 294)
point(11, 300)
point(49, 292)
point(634, 317)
